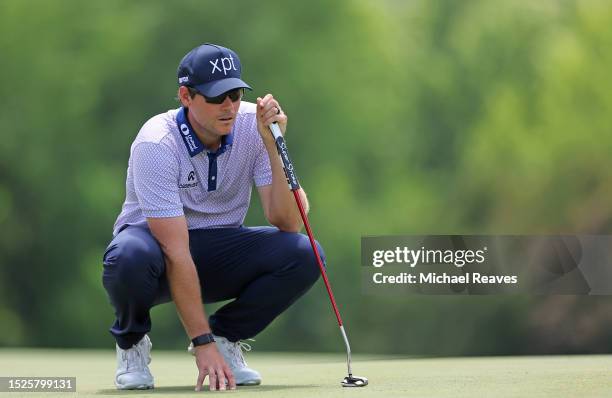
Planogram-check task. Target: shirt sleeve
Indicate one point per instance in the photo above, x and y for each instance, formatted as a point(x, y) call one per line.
point(156, 174)
point(262, 173)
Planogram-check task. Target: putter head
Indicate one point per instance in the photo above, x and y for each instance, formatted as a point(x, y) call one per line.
point(354, 381)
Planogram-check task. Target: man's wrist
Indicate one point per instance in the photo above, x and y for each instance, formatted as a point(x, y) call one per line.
point(203, 339)
point(270, 144)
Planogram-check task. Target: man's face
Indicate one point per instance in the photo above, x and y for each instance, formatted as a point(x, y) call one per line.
point(214, 119)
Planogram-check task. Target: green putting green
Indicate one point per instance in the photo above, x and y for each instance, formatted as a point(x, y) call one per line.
point(319, 375)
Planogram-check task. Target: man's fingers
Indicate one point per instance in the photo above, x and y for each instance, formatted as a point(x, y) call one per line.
point(230, 377)
point(212, 379)
point(262, 102)
point(281, 119)
point(271, 112)
point(266, 102)
point(201, 376)
point(268, 112)
point(221, 378)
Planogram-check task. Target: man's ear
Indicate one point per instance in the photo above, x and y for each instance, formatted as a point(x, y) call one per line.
point(183, 96)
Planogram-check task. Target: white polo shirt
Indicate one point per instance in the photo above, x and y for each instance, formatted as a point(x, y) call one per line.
point(170, 172)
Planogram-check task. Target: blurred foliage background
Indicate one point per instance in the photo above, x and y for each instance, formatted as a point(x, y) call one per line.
point(405, 117)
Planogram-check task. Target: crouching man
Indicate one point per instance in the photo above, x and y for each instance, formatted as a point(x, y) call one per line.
point(179, 236)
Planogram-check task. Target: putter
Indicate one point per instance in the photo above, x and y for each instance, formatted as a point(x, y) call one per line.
point(294, 186)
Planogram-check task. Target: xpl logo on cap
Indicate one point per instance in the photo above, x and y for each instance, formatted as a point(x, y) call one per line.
point(230, 65)
point(211, 69)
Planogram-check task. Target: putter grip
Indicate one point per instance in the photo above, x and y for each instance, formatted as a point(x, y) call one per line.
point(281, 147)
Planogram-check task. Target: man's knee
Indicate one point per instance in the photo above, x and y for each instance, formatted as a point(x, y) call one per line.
point(133, 260)
point(308, 264)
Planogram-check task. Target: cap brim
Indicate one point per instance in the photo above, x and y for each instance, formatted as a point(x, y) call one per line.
point(218, 87)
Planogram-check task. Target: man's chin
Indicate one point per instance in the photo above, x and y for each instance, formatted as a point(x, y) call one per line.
point(225, 127)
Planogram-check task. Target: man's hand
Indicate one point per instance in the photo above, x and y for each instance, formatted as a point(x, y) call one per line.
point(276, 199)
point(269, 111)
point(173, 237)
point(210, 363)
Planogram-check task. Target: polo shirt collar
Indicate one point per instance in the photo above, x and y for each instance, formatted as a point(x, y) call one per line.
point(192, 142)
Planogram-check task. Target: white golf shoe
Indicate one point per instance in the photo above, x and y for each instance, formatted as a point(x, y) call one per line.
point(232, 354)
point(133, 366)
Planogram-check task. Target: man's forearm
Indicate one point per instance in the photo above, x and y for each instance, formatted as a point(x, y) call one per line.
point(186, 294)
point(283, 211)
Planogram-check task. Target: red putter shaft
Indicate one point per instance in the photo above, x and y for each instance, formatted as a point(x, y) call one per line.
point(298, 200)
point(294, 186)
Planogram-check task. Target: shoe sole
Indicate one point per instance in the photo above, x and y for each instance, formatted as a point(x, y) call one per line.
point(249, 383)
point(139, 387)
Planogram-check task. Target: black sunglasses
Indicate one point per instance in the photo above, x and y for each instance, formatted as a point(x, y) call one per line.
point(234, 95)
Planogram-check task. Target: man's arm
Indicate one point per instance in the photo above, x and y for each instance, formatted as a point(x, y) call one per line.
point(173, 237)
point(277, 200)
point(279, 204)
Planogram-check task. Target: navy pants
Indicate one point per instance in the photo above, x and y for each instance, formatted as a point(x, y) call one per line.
point(263, 269)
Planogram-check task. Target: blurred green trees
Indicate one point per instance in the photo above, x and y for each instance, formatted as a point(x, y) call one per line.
point(404, 117)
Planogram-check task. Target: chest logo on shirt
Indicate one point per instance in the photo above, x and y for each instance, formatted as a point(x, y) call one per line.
point(191, 181)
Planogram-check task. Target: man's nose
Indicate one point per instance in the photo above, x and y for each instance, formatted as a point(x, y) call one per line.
point(227, 102)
